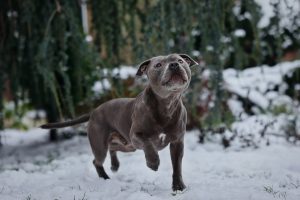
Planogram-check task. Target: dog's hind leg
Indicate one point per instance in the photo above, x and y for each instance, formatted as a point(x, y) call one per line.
point(98, 135)
point(115, 164)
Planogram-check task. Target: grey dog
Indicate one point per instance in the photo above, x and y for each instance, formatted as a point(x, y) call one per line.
point(151, 121)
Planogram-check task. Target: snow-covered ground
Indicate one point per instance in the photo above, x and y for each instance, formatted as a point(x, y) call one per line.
point(32, 168)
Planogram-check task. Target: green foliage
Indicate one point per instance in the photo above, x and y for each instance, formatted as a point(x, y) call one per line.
point(279, 109)
point(14, 115)
point(52, 65)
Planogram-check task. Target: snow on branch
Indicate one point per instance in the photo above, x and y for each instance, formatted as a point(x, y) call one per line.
point(254, 83)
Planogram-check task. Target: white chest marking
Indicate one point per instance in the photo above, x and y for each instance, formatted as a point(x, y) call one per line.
point(162, 137)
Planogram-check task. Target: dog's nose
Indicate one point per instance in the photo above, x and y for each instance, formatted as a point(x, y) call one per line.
point(174, 66)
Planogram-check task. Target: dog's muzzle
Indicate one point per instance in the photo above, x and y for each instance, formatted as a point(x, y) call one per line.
point(174, 67)
point(176, 75)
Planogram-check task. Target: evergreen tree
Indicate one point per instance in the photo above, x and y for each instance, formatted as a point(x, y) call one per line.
point(45, 56)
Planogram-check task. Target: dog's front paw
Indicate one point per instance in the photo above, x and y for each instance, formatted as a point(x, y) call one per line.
point(153, 162)
point(178, 185)
point(153, 166)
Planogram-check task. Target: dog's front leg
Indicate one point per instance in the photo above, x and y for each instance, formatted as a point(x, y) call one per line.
point(151, 155)
point(140, 141)
point(176, 150)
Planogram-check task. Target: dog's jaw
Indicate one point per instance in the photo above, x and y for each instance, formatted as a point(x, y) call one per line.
point(177, 81)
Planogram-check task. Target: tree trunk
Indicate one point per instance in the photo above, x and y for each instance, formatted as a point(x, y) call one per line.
point(1, 101)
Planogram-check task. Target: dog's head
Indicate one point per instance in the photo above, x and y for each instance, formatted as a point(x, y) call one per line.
point(168, 74)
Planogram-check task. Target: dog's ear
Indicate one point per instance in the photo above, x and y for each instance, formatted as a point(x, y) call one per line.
point(142, 67)
point(188, 59)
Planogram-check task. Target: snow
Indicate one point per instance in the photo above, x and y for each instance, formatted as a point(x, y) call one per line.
point(32, 168)
point(89, 38)
point(122, 72)
point(253, 95)
point(236, 108)
point(125, 71)
point(209, 48)
point(288, 9)
point(196, 53)
point(12, 13)
point(100, 86)
point(240, 33)
point(259, 130)
point(275, 112)
point(254, 83)
point(267, 12)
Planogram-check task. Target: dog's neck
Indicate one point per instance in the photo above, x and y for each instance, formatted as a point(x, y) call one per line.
point(164, 108)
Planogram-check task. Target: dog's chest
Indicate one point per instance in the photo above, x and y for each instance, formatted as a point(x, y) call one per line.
point(160, 140)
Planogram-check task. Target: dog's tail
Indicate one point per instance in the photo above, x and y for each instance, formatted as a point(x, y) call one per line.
point(79, 120)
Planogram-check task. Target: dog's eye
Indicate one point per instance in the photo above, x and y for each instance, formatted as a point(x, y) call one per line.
point(157, 65)
point(180, 61)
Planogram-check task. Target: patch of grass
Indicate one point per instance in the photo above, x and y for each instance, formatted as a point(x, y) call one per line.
point(296, 185)
point(29, 197)
point(279, 109)
point(276, 194)
point(83, 198)
point(13, 114)
point(291, 183)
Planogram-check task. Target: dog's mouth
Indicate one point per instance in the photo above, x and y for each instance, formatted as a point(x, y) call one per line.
point(175, 78)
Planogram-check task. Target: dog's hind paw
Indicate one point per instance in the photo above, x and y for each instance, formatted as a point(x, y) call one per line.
point(115, 164)
point(114, 168)
point(100, 171)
